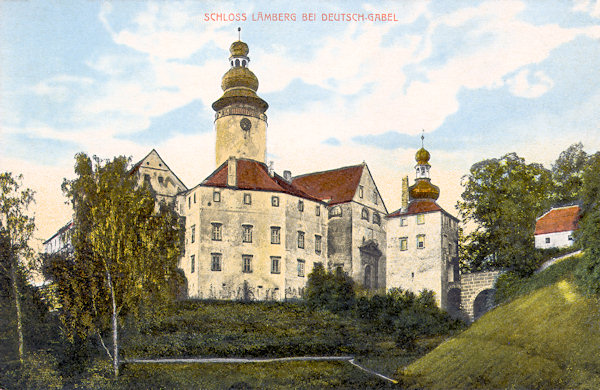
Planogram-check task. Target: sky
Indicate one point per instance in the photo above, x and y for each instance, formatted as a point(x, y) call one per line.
point(479, 79)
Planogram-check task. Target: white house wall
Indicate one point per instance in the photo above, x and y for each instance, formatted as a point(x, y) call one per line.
point(557, 240)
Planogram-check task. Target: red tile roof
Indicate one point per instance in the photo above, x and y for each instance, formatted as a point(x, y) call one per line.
point(253, 175)
point(339, 185)
point(417, 207)
point(561, 219)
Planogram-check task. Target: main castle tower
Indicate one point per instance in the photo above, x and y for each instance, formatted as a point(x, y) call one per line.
point(240, 119)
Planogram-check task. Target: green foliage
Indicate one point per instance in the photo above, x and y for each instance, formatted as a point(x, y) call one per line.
point(588, 274)
point(511, 285)
point(548, 339)
point(503, 197)
point(326, 290)
point(567, 175)
point(40, 372)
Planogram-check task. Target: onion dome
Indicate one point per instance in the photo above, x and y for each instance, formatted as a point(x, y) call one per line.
point(423, 189)
point(422, 156)
point(239, 49)
point(239, 84)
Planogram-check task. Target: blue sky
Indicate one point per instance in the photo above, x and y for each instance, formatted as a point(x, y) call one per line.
point(480, 78)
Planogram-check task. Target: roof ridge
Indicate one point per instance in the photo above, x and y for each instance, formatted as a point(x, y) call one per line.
point(329, 170)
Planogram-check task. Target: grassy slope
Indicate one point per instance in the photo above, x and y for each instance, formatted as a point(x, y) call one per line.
point(549, 338)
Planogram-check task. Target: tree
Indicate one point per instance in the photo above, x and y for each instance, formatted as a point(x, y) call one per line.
point(16, 228)
point(567, 175)
point(588, 237)
point(503, 197)
point(325, 290)
point(125, 252)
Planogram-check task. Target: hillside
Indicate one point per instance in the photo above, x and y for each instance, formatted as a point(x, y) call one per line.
point(548, 338)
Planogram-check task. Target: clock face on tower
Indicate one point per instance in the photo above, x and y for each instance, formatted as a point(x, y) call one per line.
point(245, 124)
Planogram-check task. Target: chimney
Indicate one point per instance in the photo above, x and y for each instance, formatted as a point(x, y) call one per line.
point(232, 172)
point(287, 175)
point(405, 193)
point(271, 169)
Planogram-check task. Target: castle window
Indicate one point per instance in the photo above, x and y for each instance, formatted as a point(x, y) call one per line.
point(194, 196)
point(300, 268)
point(216, 196)
point(247, 199)
point(244, 63)
point(403, 222)
point(365, 214)
point(161, 180)
point(404, 243)
point(360, 192)
point(246, 233)
point(375, 197)
point(217, 231)
point(420, 219)
point(275, 264)
point(192, 264)
point(317, 244)
point(275, 201)
point(147, 178)
point(275, 235)
point(190, 202)
point(193, 232)
point(247, 263)
point(420, 241)
point(215, 262)
point(318, 210)
point(335, 211)
point(376, 219)
point(301, 240)
point(237, 62)
point(300, 205)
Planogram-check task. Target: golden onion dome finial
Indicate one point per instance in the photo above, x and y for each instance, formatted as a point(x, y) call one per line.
point(422, 156)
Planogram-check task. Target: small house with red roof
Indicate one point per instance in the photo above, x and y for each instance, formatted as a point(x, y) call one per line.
point(555, 228)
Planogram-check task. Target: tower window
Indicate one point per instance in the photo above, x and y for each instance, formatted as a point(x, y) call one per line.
point(247, 199)
point(420, 219)
point(375, 197)
point(192, 264)
point(403, 222)
point(194, 193)
point(275, 235)
point(275, 264)
point(215, 263)
point(237, 62)
point(217, 232)
point(404, 243)
point(300, 205)
point(247, 263)
point(360, 192)
point(246, 233)
point(147, 178)
point(275, 201)
point(318, 210)
point(244, 63)
point(161, 180)
point(420, 241)
point(216, 196)
point(193, 232)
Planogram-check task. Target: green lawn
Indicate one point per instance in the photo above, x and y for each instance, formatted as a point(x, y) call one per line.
point(549, 338)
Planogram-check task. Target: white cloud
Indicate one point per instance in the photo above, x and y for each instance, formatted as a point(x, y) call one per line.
point(591, 7)
point(529, 87)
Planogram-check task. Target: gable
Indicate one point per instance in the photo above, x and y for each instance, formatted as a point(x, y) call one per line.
point(155, 168)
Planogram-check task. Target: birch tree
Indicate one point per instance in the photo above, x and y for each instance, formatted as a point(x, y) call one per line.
point(124, 252)
point(16, 228)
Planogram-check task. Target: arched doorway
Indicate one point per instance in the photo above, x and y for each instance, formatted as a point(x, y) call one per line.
point(453, 302)
point(367, 279)
point(483, 302)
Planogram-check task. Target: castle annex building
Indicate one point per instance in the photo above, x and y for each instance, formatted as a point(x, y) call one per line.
point(251, 233)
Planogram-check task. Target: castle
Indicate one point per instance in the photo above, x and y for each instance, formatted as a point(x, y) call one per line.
point(251, 233)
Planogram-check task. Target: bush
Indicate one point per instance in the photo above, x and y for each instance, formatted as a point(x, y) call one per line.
point(40, 372)
point(325, 290)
